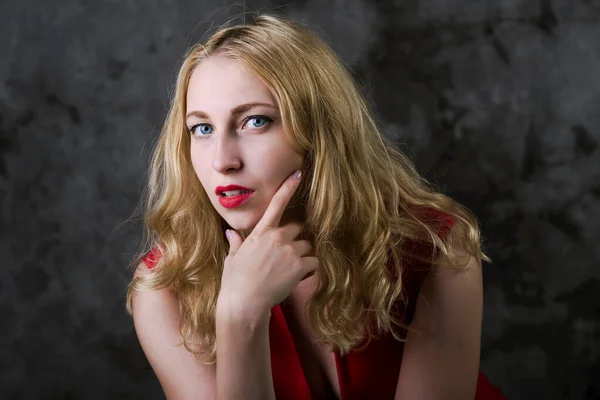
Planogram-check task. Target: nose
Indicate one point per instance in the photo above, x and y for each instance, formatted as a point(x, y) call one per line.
point(226, 152)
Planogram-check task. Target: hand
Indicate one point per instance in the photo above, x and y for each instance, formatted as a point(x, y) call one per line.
point(262, 270)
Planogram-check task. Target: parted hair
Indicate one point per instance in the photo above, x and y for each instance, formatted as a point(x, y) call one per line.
point(363, 197)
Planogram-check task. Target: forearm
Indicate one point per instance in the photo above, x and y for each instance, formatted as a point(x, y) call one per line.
point(243, 355)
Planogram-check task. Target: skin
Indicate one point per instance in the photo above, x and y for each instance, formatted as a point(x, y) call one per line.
point(237, 149)
point(248, 148)
point(441, 362)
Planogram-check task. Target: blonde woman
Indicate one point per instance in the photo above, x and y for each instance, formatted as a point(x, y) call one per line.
point(327, 283)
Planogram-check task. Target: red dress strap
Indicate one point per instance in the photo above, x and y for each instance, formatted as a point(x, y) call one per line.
point(151, 258)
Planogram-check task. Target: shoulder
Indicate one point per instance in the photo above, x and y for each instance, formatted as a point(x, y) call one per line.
point(150, 259)
point(157, 326)
point(459, 287)
point(421, 253)
point(429, 228)
point(446, 327)
point(150, 300)
point(149, 303)
point(439, 221)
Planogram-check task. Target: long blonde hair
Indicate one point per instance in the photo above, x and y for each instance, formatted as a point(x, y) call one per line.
point(363, 197)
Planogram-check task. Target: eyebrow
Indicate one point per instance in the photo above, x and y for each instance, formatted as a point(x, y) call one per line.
point(236, 110)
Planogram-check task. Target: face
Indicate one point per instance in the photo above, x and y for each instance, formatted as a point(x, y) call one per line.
point(237, 138)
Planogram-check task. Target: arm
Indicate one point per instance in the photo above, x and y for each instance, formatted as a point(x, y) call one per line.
point(243, 354)
point(156, 320)
point(441, 361)
point(258, 273)
point(244, 367)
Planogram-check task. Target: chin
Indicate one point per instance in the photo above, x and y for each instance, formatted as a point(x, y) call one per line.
point(242, 226)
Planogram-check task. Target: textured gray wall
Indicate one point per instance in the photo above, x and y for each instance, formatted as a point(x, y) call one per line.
point(497, 102)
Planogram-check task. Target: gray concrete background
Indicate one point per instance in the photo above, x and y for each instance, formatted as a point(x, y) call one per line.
point(497, 102)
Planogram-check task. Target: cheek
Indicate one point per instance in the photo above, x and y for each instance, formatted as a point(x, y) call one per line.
point(198, 166)
point(279, 159)
point(288, 162)
point(275, 170)
point(196, 157)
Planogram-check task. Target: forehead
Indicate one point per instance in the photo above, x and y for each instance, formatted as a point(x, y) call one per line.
point(220, 82)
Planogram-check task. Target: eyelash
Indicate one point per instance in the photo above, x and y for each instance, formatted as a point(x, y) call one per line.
point(267, 119)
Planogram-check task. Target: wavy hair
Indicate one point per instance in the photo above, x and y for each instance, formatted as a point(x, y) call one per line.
point(363, 198)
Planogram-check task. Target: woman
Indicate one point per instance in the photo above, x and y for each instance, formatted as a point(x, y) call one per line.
point(326, 284)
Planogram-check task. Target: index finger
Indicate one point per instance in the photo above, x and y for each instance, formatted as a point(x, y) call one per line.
point(280, 200)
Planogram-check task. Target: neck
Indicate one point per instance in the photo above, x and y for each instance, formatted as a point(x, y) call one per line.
point(293, 213)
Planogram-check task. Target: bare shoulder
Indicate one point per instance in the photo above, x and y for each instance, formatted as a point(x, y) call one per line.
point(454, 284)
point(142, 270)
point(446, 327)
point(156, 321)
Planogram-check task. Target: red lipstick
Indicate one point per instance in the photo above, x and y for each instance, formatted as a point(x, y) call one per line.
point(235, 200)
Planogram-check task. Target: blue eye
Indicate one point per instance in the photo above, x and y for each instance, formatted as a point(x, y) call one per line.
point(261, 121)
point(258, 122)
point(202, 131)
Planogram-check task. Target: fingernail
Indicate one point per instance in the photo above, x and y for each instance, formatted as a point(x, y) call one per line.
point(297, 174)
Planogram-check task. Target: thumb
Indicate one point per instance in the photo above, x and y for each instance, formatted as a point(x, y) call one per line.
point(235, 240)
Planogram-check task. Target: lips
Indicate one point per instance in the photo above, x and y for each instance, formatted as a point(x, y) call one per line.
point(235, 201)
point(220, 189)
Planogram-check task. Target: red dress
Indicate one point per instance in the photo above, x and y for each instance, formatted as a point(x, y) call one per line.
point(371, 373)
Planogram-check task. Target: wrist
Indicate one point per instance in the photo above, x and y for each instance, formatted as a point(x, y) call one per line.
point(247, 313)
